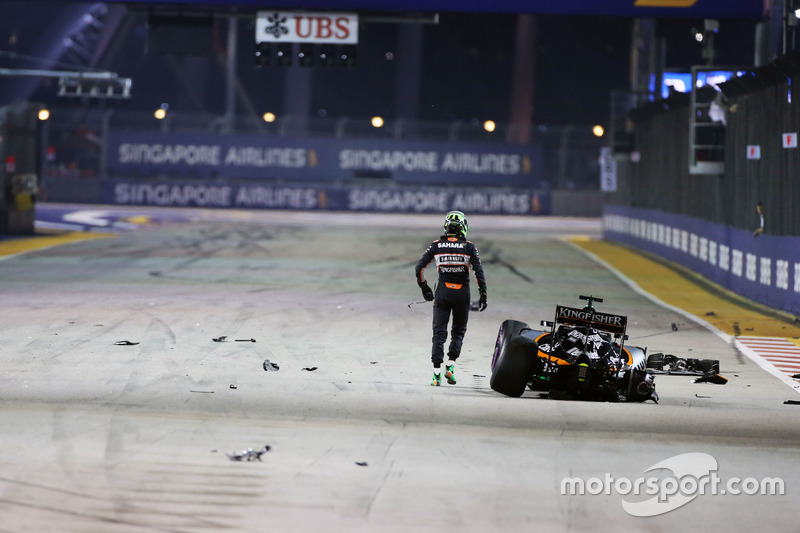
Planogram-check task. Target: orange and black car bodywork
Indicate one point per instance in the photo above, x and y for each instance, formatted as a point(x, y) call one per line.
point(581, 355)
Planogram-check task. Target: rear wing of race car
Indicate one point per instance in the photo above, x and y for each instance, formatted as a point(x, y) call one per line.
point(589, 318)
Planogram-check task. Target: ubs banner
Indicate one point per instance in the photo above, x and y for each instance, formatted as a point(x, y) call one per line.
point(398, 199)
point(150, 154)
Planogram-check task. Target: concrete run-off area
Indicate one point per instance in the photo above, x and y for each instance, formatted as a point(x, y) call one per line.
point(134, 380)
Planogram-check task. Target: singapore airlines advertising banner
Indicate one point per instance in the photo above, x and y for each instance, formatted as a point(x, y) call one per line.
point(393, 199)
point(151, 154)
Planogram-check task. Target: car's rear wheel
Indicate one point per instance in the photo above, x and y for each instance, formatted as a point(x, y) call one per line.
point(511, 362)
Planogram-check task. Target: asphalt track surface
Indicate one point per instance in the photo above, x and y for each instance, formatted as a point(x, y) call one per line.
point(103, 437)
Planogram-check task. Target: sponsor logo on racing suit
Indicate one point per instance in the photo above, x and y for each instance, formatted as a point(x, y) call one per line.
point(452, 263)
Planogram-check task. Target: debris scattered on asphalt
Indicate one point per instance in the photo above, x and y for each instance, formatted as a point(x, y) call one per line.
point(478, 376)
point(792, 402)
point(674, 326)
point(712, 378)
point(711, 313)
point(362, 463)
point(373, 362)
point(224, 338)
point(126, 343)
point(707, 370)
point(662, 363)
point(310, 368)
point(796, 376)
point(233, 386)
point(203, 391)
point(249, 454)
point(269, 366)
point(699, 396)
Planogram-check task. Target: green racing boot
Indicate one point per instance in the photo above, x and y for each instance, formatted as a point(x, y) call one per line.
point(450, 374)
point(437, 379)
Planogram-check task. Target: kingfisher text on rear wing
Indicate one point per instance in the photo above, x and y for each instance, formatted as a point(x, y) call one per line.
point(581, 317)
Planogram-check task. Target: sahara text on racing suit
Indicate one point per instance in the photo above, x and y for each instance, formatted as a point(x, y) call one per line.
point(454, 256)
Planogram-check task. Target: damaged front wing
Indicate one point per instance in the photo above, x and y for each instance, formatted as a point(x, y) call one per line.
point(706, 370)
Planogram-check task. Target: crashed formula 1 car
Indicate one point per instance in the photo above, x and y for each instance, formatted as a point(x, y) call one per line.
point(581, 356)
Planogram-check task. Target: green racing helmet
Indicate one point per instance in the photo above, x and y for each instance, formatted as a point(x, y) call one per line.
point(455, 223)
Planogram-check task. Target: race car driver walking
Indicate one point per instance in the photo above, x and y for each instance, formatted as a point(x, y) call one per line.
point(453, 255)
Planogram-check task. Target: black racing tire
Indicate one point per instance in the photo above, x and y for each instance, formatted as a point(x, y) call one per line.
point(508, 329)
point(511, 361)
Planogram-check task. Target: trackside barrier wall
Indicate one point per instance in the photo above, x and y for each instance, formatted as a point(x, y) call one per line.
point(254, 195)
point(566, 203)
point(764, 268)
point(123, 158)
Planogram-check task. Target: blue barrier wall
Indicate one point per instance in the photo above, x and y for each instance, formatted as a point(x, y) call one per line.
point(254, 195)
point(763, 268)
point(209, 155)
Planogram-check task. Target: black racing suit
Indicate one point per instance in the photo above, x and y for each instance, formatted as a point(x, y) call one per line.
point(453, 256)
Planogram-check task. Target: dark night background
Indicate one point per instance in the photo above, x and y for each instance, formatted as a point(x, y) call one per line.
point(466, 71)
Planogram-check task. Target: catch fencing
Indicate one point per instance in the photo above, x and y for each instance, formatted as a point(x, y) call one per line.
point(739, 226)
point(761, 163)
